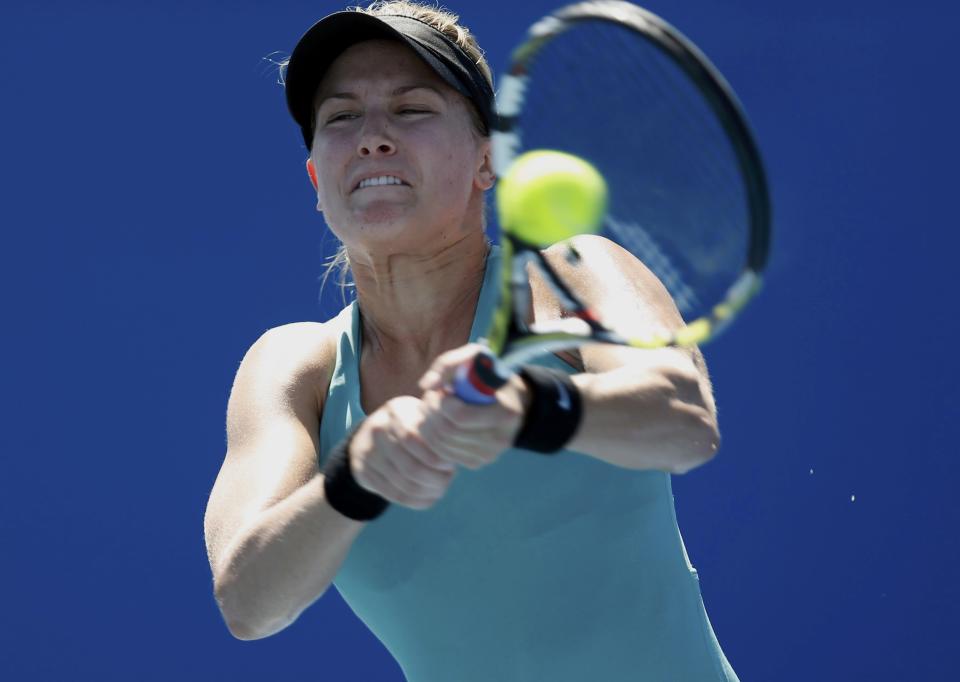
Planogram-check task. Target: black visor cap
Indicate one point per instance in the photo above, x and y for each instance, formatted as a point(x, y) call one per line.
point(328, 38)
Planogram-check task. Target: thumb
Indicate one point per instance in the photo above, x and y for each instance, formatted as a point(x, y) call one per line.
point(441, 374)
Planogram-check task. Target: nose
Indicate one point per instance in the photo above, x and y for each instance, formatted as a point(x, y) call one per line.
point(375, 139)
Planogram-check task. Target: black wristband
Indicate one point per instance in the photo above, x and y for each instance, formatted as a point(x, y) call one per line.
point(342, 491)
point(554, 413)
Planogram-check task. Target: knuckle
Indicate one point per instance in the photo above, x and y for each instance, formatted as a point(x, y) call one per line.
point(399, 406)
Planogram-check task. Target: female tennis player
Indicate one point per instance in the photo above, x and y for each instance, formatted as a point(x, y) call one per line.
point(470, 552)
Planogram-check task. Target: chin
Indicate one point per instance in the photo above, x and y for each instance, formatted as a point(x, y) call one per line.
point(385, 215)
point(377, 224)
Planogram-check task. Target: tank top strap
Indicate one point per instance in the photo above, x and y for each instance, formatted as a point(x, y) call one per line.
point(341, 408)
point(487, 301)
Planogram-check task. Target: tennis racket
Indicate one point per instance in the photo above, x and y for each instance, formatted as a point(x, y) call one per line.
point(617, 86)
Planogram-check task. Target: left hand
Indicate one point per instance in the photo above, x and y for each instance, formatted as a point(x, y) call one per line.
point(470, 435)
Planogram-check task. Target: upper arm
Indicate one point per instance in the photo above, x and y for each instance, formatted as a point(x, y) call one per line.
point(272, 429)
point(622, 289)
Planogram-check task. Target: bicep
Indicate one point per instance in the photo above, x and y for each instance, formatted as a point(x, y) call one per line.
point(272, 434)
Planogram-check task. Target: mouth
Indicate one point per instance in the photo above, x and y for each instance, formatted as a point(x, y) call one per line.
point(380, 181)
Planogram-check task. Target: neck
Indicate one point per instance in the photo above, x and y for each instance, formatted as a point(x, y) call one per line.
point(417, 305)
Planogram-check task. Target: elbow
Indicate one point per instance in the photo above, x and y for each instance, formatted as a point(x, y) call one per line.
point(244, 632)
point(244, 619)
point(698, 440)
point(260, 594)
point(696, 436)
point(239, 620)
point(247, 633)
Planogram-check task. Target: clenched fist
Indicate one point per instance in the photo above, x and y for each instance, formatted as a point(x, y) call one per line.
point(408, 450)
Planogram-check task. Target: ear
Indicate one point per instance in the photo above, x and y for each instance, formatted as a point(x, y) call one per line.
point(485, 175)
point(312, 172)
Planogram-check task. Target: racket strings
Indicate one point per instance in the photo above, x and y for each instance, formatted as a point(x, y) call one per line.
point(671, 88)
point(677, 197)
point(649, 84)
point(651, 80)
point(699, 141)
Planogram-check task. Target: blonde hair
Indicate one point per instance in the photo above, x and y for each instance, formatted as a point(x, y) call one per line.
point(442, 20)
point(448, 24)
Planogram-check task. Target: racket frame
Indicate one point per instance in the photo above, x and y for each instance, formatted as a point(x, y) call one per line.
point(506, 143)
point(511, 341)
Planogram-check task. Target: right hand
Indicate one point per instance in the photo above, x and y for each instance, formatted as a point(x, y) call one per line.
point(390, 458)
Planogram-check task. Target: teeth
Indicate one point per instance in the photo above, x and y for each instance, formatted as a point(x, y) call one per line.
point(382, 180)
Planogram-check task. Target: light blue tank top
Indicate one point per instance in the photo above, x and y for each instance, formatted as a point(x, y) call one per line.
point(557, 568)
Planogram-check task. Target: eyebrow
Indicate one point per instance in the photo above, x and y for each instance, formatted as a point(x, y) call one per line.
point(402, 90)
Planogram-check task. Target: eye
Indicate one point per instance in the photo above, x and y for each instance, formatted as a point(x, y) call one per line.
point(413, 111)
point(340, 116)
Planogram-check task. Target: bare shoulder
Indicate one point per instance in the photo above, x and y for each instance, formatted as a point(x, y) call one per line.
point(623, 290)
point(296, 348)
point(285, 372)
point(609, 277)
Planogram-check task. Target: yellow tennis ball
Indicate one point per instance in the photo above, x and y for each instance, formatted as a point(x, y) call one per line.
point(548, 196)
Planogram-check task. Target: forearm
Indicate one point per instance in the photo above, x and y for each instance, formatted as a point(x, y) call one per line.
point(282, 562)
point(655, 419)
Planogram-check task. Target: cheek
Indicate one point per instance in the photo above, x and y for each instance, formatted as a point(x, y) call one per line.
point(457, 169)
point(325, 162)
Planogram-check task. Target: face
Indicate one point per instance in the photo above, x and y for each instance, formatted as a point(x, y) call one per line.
point(396, 156)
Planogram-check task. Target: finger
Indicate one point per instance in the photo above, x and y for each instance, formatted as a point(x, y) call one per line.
point(470, 448)
point(387, 488)
point(403, 477)
point(418, 462)
point(462, 416)
point(460, 451)
point(432, 380)
point(406, 417)
point(418, 451)
point(441, 372)
point(378, 457)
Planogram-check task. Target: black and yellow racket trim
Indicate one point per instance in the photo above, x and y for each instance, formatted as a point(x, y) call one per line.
point(720, 97)
point(510, 341)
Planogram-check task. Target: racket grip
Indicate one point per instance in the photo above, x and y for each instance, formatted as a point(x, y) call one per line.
point(476, 381)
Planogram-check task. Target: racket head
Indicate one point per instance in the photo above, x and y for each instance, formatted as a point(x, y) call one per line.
point(618, 86)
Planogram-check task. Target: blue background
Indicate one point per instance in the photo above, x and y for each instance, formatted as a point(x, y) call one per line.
point(156, 219)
